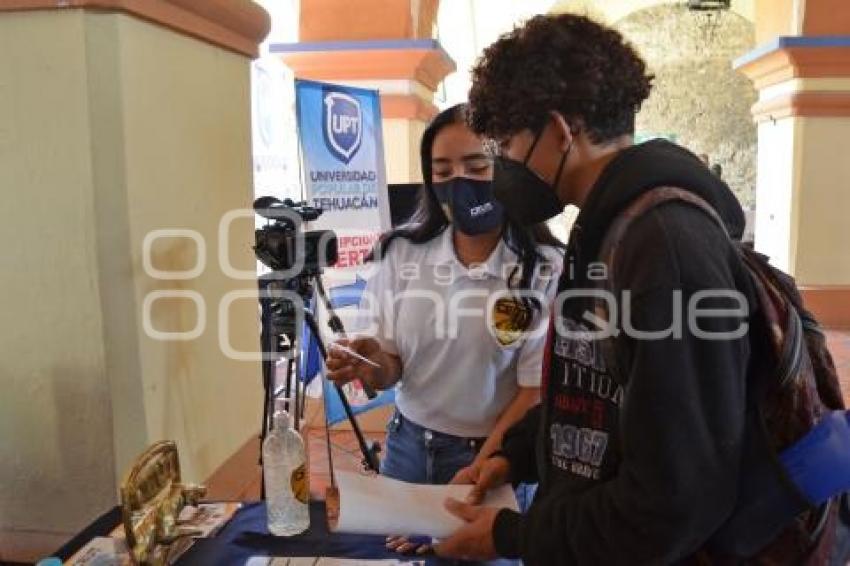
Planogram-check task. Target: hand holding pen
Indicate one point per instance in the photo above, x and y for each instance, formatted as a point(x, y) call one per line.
point(363, 359)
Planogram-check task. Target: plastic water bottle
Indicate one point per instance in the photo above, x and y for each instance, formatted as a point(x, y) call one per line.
point(285, 473)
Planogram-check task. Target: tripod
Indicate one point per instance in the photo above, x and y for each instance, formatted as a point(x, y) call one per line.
point(282, 336)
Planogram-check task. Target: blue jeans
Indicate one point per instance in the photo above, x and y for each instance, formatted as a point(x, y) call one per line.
point(418, 455)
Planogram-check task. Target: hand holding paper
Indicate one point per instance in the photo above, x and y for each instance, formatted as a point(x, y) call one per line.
point(378, 505)
point(474, 540)
point(484, 475)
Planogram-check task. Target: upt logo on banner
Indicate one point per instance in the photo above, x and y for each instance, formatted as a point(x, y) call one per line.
point(343, 122)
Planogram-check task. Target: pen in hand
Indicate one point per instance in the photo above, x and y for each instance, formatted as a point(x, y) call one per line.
point(354, 354)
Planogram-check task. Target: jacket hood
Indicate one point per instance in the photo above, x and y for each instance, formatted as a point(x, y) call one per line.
point(640, 168)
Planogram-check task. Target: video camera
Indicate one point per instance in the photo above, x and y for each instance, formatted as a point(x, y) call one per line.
point(278, 244)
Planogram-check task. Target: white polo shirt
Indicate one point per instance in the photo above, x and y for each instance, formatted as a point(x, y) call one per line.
point(422, 304)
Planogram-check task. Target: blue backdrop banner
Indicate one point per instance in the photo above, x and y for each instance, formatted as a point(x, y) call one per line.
point(343, 170)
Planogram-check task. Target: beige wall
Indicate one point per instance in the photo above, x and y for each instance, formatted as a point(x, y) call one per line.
point(401, 150)
point(775, 229)
point(822, 254)
point(801, 219)
point(186, 122)
point(55, 420)
point(109, 128)
point(775, 18)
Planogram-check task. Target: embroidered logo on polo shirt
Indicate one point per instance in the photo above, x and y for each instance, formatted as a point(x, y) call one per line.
point(511, 318)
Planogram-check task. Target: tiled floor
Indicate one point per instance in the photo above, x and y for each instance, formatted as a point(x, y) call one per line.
point(346, 454)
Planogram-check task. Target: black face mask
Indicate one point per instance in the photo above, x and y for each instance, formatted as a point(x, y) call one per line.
point(527, 198)
point(474, 210)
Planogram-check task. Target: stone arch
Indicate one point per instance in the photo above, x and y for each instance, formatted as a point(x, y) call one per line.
point(697, 96)
point(610, 11)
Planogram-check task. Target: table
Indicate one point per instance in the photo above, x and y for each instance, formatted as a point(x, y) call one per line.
point(246, 536)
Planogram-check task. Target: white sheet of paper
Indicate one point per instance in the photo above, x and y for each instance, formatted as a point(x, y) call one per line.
point(310, 561)
point(377, 505)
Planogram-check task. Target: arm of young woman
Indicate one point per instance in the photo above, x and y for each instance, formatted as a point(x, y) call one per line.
point(526, 398)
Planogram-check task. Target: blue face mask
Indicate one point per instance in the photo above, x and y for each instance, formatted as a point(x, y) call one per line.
point(474, 209)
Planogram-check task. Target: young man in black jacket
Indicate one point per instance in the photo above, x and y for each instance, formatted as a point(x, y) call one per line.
point(637, 448)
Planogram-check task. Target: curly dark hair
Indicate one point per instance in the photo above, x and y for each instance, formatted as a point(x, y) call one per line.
point(566, 63)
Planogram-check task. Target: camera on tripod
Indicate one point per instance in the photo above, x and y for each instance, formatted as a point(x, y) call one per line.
point(283, 247)
point(278, 244)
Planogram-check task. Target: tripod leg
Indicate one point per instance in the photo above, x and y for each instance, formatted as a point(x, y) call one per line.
point(268, 396)
point(304, 400)
point(288, 386)
point(370, 456)
point(336, 326)
point(296, 401)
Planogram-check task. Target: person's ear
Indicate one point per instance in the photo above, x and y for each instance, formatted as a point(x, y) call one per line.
point(563, 132)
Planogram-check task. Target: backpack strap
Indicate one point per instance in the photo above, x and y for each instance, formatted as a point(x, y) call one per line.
point(640, 206)
point(615, 235)
point(782, 321)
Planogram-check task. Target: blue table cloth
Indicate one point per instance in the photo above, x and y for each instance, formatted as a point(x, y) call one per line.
point(246, 536)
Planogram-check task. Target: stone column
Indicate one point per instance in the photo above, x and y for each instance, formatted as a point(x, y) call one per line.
point(118, 119)
point(802, 73)
point(381, 44)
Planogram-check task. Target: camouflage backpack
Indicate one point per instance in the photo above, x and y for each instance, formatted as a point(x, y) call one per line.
point(792, 388)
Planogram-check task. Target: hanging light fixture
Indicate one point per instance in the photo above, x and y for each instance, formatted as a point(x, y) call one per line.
point(709, 5)
point(709, 12)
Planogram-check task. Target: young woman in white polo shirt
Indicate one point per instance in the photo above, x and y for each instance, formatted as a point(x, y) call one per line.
point(446, 305)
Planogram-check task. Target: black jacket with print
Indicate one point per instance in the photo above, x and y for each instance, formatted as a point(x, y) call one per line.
point(638, 465)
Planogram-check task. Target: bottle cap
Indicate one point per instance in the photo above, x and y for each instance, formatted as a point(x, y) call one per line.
point(280, 411)
point(280, 404)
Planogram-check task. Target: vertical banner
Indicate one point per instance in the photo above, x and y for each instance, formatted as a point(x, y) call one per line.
point(344, 175)
point(343, 164)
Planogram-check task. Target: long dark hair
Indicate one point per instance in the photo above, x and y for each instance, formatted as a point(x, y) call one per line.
point(428, 219)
